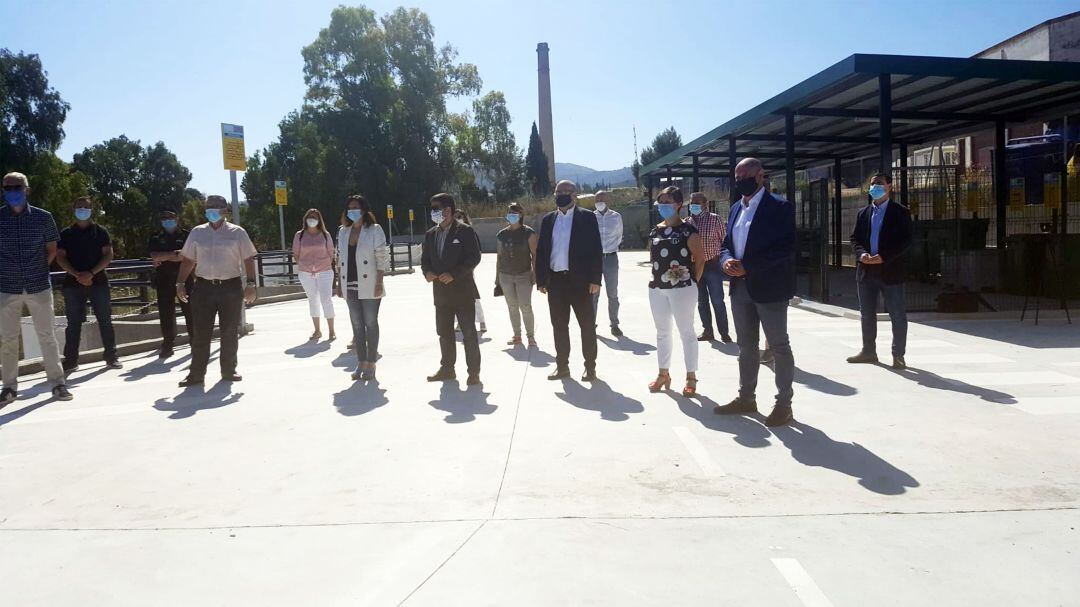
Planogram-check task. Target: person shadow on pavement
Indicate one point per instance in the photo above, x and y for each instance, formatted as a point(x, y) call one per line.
point(731, 349)
point(462, 405)
point(625, 344)
point(196, 398)
point(309, 349)
point(820, 383)
point(932, 380)
point(747, 430)
point(360, 398)
point(155, 366)
point(534, 356)
point(812, 447)
point(599, 397)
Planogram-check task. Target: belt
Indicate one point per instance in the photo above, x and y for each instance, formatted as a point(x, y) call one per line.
point(612, 253)
point(216, 281)
point(563, 273)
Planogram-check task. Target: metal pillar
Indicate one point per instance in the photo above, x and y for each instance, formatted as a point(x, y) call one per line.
point(669, 177)
point(1001, 193)
point(789, 154)
point(838, 200)
point(903, 175)
point(885, 120)
point(695, 179)
point(731, 167)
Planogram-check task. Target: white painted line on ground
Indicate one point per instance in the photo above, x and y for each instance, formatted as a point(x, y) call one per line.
point(912, 344)
point(1014, 378)
point(698, 452)
point(1048, 405)
point(801, 582)
point(973, 358)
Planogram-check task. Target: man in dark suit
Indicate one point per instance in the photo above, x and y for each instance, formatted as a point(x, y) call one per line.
point(759, 255)
point(881, 237)
point(451, 252)
point(569, 266)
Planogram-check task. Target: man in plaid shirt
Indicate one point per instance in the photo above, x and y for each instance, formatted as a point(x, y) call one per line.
point(711, 287)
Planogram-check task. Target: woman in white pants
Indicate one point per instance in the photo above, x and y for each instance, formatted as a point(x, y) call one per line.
point(678, 260)
point(313, 249)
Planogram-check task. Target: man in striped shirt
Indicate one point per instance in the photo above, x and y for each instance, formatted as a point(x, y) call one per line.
point(711, 287)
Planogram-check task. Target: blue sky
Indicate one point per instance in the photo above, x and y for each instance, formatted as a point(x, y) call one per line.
point(172, 71)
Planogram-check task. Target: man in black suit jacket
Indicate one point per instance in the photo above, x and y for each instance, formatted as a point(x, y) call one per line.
point(451, 252)
point(569, 267)
point(881, 237)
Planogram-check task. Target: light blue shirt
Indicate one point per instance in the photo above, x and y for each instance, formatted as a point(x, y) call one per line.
point(877, 217)
point(740, 228)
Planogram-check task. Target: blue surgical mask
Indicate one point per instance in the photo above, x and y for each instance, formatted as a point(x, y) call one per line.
point(695, 209)
point(513, 217)
point(354, 215)
point(168, 224)
point(82, 214)
point(213, 215)
point(437, 216)
point(15, 198)
point(666, 210)
point(877, 191)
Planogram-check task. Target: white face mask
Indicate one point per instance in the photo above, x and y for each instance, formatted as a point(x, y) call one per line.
point(601, 206)
point(437, 216)
point(312, 222)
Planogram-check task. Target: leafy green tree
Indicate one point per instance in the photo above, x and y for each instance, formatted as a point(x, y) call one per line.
point(665, 142)
point(536, 166)
point(54, 185)
point(497, 155)
point(31, 113)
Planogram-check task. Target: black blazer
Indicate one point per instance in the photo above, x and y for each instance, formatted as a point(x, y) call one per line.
point(769, 258)
point(586, 251)
point(460, 255)
point(893, 243)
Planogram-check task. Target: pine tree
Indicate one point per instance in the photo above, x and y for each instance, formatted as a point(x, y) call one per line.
point(536, 166)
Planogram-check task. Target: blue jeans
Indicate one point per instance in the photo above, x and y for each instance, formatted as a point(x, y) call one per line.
point(75, 308)
point(895, 305)
point(611, 283)
point(772, 318)
point(711, 289)
point(364, 315)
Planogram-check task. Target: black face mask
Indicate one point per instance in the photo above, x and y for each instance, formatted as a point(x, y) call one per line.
point(746, 187)
point(564, 200)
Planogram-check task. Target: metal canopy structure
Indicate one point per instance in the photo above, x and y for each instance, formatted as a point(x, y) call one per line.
point(866, 105)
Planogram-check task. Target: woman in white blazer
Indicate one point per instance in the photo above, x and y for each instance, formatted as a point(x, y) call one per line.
point(363, 260)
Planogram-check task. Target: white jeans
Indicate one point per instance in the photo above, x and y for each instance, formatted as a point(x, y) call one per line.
point(41, 311)
point(678, 303)
point(320, 292)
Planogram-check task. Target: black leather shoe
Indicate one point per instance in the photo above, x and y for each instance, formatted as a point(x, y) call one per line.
point(725, 338)
point(191, 381)
point(560, 373)
point(231, 377)
point(473, 380)
point(767, 356)
point(443, 375)
point(898, 362)
point(706, 337)
point(589, 375)
point(780, 416)
point(739, 406)
point(863, 358)
point(165, 352)
point(616, 331)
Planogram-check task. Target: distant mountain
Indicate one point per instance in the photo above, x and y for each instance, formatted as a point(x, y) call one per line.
point(580, 174)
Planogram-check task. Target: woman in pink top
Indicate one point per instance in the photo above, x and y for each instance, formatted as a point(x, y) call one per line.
point(313, 249)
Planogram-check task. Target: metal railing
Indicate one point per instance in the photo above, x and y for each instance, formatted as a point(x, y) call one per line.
point(130, 281)
point(401, 260)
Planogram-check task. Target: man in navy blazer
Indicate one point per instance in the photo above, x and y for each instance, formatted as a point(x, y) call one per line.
point(759, 256)
point(881, 237)
point(569, 269)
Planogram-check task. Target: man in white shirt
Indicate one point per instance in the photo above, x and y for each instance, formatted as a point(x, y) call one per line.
point(611, 235)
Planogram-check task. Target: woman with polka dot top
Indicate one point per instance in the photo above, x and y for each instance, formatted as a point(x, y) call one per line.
point(678, 259)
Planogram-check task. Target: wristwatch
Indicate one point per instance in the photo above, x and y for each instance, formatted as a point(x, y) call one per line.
point(251, 282)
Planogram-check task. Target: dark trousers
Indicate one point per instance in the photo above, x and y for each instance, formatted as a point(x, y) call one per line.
point(364, 315)
point(711, 290)
point(772, 319)
point(166, 303)
point(465, 313)
point(566, 294)
point(75, 299)
point(895, 305)
point(226, 301)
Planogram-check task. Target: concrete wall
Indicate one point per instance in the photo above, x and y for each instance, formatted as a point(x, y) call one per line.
point(1032, 46)
point(1065, 40)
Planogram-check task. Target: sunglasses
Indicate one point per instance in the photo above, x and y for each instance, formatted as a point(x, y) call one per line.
point(14, 188)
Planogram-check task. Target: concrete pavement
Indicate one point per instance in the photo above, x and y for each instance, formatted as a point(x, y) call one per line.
point(954, 483)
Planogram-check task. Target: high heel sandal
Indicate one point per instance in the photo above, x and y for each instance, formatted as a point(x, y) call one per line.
point(691, 387)
point(663, 380)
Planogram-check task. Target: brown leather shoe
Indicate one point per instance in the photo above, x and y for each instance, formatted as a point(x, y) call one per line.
point(443, 375)
point(898, 362)
point(705, 337)
point(739, 406)
point(780, 416)
point(559, 373)
point(589, 375)
point(863, 358)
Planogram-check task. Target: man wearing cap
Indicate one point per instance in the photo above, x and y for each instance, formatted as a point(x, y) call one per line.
point(221, 255)
point(165, 252)
point(28, 238)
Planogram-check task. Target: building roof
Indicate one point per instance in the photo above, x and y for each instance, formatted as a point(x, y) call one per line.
point(1046, 23)
point(836, 111)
